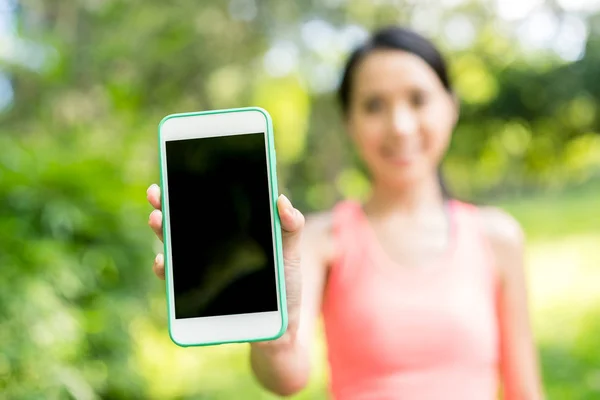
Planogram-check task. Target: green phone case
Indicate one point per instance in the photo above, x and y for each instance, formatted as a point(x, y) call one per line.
point(272, 160)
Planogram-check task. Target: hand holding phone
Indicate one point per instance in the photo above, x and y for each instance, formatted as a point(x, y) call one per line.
point(292, 224)
point(220, 222)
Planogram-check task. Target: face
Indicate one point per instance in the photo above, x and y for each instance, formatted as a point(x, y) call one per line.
point(400, 117)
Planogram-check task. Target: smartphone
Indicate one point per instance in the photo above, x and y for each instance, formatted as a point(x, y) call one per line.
point(222, 236)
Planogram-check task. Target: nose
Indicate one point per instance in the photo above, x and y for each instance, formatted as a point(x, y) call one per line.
point(403, 121)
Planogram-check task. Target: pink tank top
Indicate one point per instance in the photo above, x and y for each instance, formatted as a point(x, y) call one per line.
point(422, 333)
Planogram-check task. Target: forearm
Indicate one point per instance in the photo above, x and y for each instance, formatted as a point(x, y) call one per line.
point(281, 366)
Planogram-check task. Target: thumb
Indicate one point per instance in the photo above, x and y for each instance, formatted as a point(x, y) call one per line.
point(292, 223)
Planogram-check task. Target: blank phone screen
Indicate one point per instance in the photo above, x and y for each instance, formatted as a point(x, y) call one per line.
point(220, 224)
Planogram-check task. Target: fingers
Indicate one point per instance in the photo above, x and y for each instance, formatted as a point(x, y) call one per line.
point(159, 266)
point(153, 196)
point(292, 222)
point(155, 222)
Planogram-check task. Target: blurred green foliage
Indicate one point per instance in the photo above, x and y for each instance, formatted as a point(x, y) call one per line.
point(72, 254)
point(83, 317)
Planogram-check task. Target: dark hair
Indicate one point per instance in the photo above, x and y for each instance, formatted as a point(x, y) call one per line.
point(395, 38)
point(392, 38)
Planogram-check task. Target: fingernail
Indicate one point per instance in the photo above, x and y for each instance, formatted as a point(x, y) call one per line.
point(287, 205)
point(151, 188)
point(158, 258)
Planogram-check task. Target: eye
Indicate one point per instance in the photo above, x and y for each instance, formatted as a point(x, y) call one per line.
point(418, 98)
point(373, 105)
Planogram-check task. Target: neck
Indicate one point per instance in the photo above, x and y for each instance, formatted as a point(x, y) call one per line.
point(422, 195)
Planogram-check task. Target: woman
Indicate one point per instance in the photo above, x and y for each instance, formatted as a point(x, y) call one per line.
point(422, 296)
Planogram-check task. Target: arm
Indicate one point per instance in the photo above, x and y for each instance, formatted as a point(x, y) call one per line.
point(283, 366)
point(518, 358)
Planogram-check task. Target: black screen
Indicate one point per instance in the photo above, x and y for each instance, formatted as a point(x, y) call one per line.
point(221, 238)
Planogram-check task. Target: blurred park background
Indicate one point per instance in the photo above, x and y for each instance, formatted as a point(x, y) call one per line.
point(83, 85)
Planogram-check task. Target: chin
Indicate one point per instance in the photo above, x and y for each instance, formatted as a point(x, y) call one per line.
point(400, 174)
point(403, 179)
point(406, 174)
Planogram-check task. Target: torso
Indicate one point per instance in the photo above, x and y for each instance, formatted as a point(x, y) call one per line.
point(396, 326)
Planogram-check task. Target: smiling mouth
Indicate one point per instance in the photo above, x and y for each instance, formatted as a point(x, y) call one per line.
point(399, 159)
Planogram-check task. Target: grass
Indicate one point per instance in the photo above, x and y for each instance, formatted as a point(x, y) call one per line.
point(555, 216)
point(563, 269)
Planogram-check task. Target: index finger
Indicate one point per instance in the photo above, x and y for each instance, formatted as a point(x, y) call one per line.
point(153, 196)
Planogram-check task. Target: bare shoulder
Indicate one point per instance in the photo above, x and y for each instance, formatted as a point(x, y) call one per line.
point(318, 233)
point(506, 239)
point(501, 228)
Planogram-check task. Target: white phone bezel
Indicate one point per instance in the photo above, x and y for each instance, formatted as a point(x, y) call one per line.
point(226, 328)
